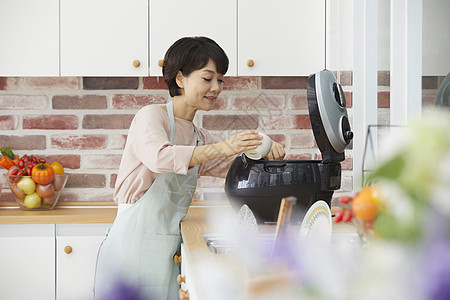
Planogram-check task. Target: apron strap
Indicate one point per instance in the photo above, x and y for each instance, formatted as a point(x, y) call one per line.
point(171, 120)
point(172, 125)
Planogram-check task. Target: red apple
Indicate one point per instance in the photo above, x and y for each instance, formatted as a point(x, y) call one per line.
point(45, 190)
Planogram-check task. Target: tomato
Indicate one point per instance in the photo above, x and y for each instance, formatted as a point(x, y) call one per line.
point(42, 173)
point(42, 160)
point(345, 199)
point(347, 215)
point(21, 164)
point(338, 215)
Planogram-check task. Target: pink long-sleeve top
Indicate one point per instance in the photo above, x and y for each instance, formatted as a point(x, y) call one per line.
point(148, 151)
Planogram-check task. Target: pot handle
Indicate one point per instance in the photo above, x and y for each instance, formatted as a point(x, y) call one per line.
point(274, 168)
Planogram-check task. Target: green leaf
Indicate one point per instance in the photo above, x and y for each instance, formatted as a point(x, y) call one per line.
point(7, 152)
point(391, 169)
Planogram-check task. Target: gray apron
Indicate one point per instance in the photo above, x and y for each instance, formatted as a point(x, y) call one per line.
point(137, 254)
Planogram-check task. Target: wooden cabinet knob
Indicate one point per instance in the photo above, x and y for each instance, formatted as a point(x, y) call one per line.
point(136, 63)
point(177, 259)
point(181, 279)
point(68, 249)
point(183, 295)
point(250, 63)
point(161, 63)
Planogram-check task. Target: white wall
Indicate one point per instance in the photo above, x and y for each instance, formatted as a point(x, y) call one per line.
point(436, 31)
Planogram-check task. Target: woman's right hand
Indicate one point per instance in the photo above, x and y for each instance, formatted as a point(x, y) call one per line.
point(241, 142)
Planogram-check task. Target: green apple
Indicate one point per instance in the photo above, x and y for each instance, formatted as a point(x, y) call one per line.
point(32, 201)
point(26, 185)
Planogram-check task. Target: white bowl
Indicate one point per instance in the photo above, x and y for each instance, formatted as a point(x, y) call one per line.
point(262, 150)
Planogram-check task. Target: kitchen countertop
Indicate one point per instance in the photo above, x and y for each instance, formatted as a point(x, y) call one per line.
point(202, 219)
point(58, 215)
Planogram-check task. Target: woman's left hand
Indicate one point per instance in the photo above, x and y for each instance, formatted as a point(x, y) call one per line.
point(276, 152)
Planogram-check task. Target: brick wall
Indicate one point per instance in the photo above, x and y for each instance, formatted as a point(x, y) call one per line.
point(83, 122)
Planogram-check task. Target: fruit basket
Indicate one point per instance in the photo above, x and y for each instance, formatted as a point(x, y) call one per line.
point(35, 184)
point(32, 195)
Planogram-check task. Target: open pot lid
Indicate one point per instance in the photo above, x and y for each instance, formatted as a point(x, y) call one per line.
point(328, 114)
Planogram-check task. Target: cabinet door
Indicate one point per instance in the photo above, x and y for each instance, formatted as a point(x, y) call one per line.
point(283, 38)
point(29, 35)
point(104, 37)
point(27, 262)
point(75, 266)
point(171, 20)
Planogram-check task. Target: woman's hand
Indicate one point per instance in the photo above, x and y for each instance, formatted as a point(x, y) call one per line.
point(241, 142)
point(276, 152)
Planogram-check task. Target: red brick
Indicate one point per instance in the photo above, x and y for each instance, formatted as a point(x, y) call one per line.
point(221, 103)
point(86, 181)
point(346, 78)
point(430, 82)
point(384, 99)
point(213, 196)
point(6, 196)
point(284, 82)
point(154, 83)
point(93, 141)
point(48, 83)
point(210, 182)
point(240, 83)
point(279, 138)
point(275, 122)
point(28, 142)
point(347, 164)
point(258, 102)
point(348, 99)
point(107, 121)
point(299, 101)
point(112, 180)
point(22, 102)
point(8, 122)
point(136, 101)
point(60, 122)
point(117, 141)
point(302, 140)
point(101, 195)
point(302, 122)
point(110, 83)
point(68, 161)
point(305, 156)
point(79, 102)
point(383, 78)
point(429, 98)
point(230, 122)
point(105, 161)
point(8, 83)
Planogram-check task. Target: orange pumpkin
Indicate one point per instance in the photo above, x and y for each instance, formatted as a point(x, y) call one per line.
point(42, 173)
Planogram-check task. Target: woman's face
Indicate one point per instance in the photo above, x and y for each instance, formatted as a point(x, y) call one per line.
point(202, 87)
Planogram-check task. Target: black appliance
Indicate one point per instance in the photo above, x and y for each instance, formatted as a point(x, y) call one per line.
point(261, 184)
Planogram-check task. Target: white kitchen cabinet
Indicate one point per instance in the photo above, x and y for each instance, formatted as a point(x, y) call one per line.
point(171, 20)
point(76, 256)
point(104, 37)
point(281, 38)
point(29, 35)
point(187, 284)
point(27, 261)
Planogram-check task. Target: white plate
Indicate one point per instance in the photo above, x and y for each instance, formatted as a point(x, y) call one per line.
point(316, 224)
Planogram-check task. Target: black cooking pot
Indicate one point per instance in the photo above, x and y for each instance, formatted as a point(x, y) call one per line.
point(261, 184)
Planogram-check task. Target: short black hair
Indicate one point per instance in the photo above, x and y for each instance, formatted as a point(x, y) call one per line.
point(189, 54)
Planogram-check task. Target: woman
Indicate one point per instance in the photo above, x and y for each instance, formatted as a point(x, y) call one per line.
point(161, 161)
